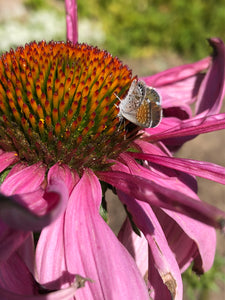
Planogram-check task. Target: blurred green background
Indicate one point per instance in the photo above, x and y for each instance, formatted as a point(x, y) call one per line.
point(128, 28)
point(141, 27)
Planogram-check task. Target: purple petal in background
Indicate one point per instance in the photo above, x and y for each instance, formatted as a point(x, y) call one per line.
point(179, 84)
point(189, 239)
point(212, 90)
point(71, 21)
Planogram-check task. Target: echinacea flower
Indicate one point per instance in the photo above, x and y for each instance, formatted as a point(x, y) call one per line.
point(61, 138)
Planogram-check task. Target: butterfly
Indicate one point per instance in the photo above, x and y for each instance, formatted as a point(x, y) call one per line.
point(141, 106)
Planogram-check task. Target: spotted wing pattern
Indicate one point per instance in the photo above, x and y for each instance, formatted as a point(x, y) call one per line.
point(141, 106)
point(134, 97)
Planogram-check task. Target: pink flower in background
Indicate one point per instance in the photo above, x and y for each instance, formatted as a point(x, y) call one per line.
point(61, 143)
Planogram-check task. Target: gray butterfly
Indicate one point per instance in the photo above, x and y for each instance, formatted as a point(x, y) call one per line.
point(141, 106)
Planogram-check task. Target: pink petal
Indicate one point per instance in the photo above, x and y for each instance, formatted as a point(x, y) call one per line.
point(71, 21)
point(194, 167)
point(189, 239)
point(10, 240)
point(212, 90)
point(197, 238)
point(63, 173)
point(173, 75)
point(164, 192)
point(86, 250)
point(16, 168)
point(26, 252)
point(179, 84)
point(26, 180)
point(7, 159)
point(160, 149)
point(92, 241)
point(165, 125)
point(156, 284)
point(65, 294)
point(15, 277)
point(50, 252)
point(182, 84)
point(17, 283)
point(55, 197)
point(190, 128)
point(163, 259)
point(50, 256)
point(136, 245)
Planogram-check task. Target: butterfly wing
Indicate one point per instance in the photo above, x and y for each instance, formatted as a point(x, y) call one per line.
point(155, 106)
point(153, 95)
point(134, 97)
point(143, 114)
point(141, 106)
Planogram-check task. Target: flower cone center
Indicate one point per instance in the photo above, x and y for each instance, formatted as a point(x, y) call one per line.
point(57, 104)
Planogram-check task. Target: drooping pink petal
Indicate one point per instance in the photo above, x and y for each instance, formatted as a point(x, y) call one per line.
point(180, 83)
point(17, 283)
point(183, 84)
point(189, 129)
point(92, 241)
point(30, 203)
point(136, 245)
point(50, 256)
point(181, 229)
point(71, 21)
point(163, 258)
point(26, 252)
point(160, 149)
point(165, 125)
point(7, 159)
point(156, 285)
point(10, 240)
point(112, 269)
point(177, 74)
point(15, 276)
point(194, 167)
point(64, 294)
point(164, 192)
point(50, 251)
point(157, 149)
point(47, 243)
point(21, 218)
point(189, 239)
point(212, 90)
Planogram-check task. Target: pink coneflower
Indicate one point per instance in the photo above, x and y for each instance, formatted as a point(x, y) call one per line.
point(61, 139)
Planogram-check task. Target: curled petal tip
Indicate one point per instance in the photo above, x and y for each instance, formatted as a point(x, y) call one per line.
point(215, 42)
point(22, 218)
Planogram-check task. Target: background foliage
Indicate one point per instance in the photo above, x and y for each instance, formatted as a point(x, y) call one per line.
point(135, 27)
point(127, 28)
point(199, 287)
